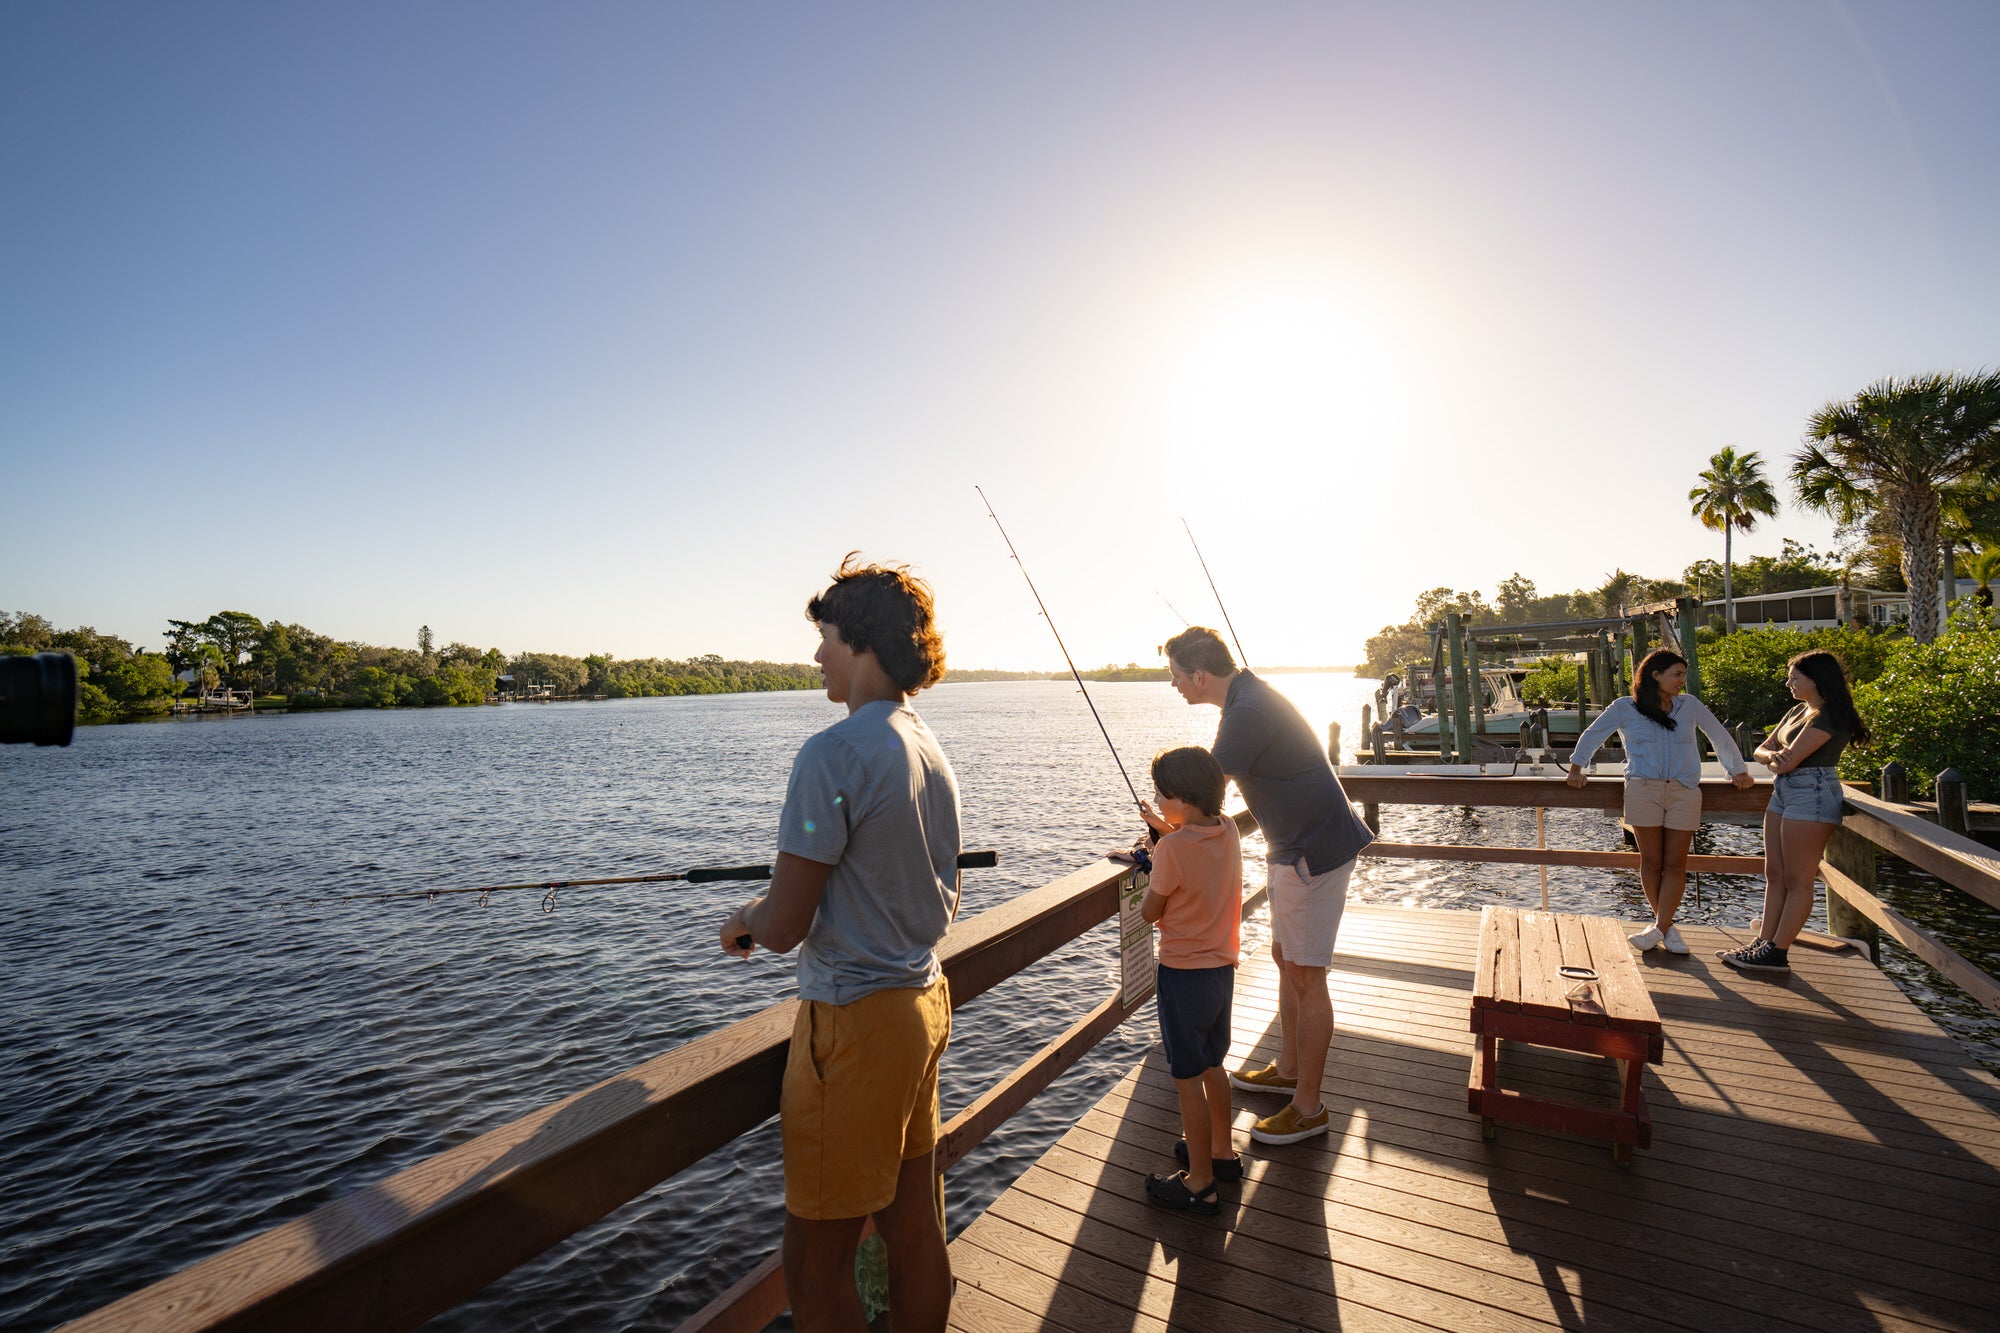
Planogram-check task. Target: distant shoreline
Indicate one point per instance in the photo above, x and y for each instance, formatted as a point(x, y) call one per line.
point(1114, 675)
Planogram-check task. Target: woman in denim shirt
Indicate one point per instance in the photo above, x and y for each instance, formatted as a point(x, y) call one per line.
point(1662, 780)
point(1805, 803)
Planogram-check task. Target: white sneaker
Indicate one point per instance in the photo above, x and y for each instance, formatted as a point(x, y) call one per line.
point(1645, 939)
point(1673, 941)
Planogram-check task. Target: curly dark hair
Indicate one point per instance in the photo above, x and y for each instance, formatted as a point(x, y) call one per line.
point(1190, 774)
point(888, 611)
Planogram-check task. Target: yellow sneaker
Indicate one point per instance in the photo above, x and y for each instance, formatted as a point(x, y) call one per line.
point(1288, 1126)
point(1263, 1080)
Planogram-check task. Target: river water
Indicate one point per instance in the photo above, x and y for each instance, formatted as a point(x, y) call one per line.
point(194, 1054)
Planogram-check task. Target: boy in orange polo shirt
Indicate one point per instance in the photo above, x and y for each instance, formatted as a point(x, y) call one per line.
point(1196, 898)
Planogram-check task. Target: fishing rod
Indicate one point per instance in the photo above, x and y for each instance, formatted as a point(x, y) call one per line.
point(550, 888)
point(1171, 607)
point(1061, 645)
point(1242, 658)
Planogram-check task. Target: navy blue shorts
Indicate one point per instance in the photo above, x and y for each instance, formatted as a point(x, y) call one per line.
point(1194, 1016)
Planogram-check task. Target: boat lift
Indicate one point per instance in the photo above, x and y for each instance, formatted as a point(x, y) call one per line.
point(1612, 647)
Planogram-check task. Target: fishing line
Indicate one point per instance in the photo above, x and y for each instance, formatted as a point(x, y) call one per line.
point(1171, 607)
point(1065, 650)
point(1242, 658)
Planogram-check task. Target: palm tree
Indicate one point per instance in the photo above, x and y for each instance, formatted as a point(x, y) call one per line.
point(1892, 450)
point(1617, 592)
point(1985, 567)
point(1733, 494)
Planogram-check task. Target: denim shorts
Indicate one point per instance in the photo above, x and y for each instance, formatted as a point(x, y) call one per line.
point(1194, 1004)
point(1807, 793)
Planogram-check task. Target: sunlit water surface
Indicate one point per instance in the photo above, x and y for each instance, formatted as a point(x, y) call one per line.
point(193, 1056)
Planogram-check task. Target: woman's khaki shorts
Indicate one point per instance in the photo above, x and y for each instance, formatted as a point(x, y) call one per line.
point(860, 1097)
point(1661, 802)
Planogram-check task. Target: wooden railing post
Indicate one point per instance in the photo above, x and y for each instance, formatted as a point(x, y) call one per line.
point(1854, 856)
point(1954, 809)
point(1895, 783)
point(1746, 739)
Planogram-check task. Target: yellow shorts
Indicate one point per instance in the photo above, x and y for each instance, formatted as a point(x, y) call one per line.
point(861, 1097)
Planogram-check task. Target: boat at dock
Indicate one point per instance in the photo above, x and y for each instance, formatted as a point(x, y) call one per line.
point(1502, 708)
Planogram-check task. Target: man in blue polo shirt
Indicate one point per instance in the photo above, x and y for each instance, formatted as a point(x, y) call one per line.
point(1314, 838)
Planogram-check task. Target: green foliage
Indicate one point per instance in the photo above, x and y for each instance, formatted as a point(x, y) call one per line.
point(1396, 644)
point(1796, 566)
point(93, 705)
point(314, 671)
point(375, 687)
point(1935, 706)
point(640, 678)
point(115, 681)
point(1552, 680)
point(140, 684)
point(1131, 671)
point(1743, 675)
point(567, 675)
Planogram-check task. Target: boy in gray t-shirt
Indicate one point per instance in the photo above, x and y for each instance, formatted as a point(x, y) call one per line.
point(874, 798)
point(867, 857)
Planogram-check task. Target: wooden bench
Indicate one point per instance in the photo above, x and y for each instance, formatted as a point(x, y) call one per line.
point(1520, 994)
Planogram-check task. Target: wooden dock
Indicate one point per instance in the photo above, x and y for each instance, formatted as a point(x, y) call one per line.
point(1824, 1157)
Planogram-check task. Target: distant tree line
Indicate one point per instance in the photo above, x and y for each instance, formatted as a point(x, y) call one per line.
point(235, 650)
point(116, 679)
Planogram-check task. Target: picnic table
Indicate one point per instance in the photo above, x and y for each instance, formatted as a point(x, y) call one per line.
point(1520, 993)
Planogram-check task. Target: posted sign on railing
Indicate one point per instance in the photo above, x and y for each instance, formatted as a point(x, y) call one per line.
point(1136, 965)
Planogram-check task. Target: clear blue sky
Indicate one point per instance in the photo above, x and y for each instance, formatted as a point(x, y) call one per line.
point(611, 327)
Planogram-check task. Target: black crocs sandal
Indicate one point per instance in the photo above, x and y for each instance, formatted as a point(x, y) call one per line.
point(1173, 1192)
point(1228, 1170)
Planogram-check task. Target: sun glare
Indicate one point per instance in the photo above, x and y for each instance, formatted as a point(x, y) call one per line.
point(1292, 375)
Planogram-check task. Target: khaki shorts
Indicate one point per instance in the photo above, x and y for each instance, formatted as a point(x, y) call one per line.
point(860, 1097)
point(1305, 911)
point(1661, 802)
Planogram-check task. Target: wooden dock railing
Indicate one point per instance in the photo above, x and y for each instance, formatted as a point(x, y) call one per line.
point(1869, 825)
point(409, 1247)
point(403, 1250)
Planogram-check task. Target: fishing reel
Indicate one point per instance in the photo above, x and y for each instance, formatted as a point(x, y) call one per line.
point(1141, 853)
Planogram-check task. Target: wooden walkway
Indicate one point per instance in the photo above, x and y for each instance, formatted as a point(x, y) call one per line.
point(1824, 1157)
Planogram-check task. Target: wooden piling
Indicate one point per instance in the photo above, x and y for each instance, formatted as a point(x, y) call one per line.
point(1687, 611)
point(1474, 690)
point(1461, 698)
point(1954, 807)
point(1854, 856)
point(1895, 783)
point(1333, 737)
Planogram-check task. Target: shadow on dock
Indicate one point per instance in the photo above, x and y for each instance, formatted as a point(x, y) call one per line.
point(1823, 1157)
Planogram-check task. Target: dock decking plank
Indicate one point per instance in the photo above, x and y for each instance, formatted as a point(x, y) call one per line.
point(1757, 1255)
point(1877, 1137)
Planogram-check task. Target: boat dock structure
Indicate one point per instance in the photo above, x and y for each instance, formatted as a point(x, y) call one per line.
point(1814, 1152)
